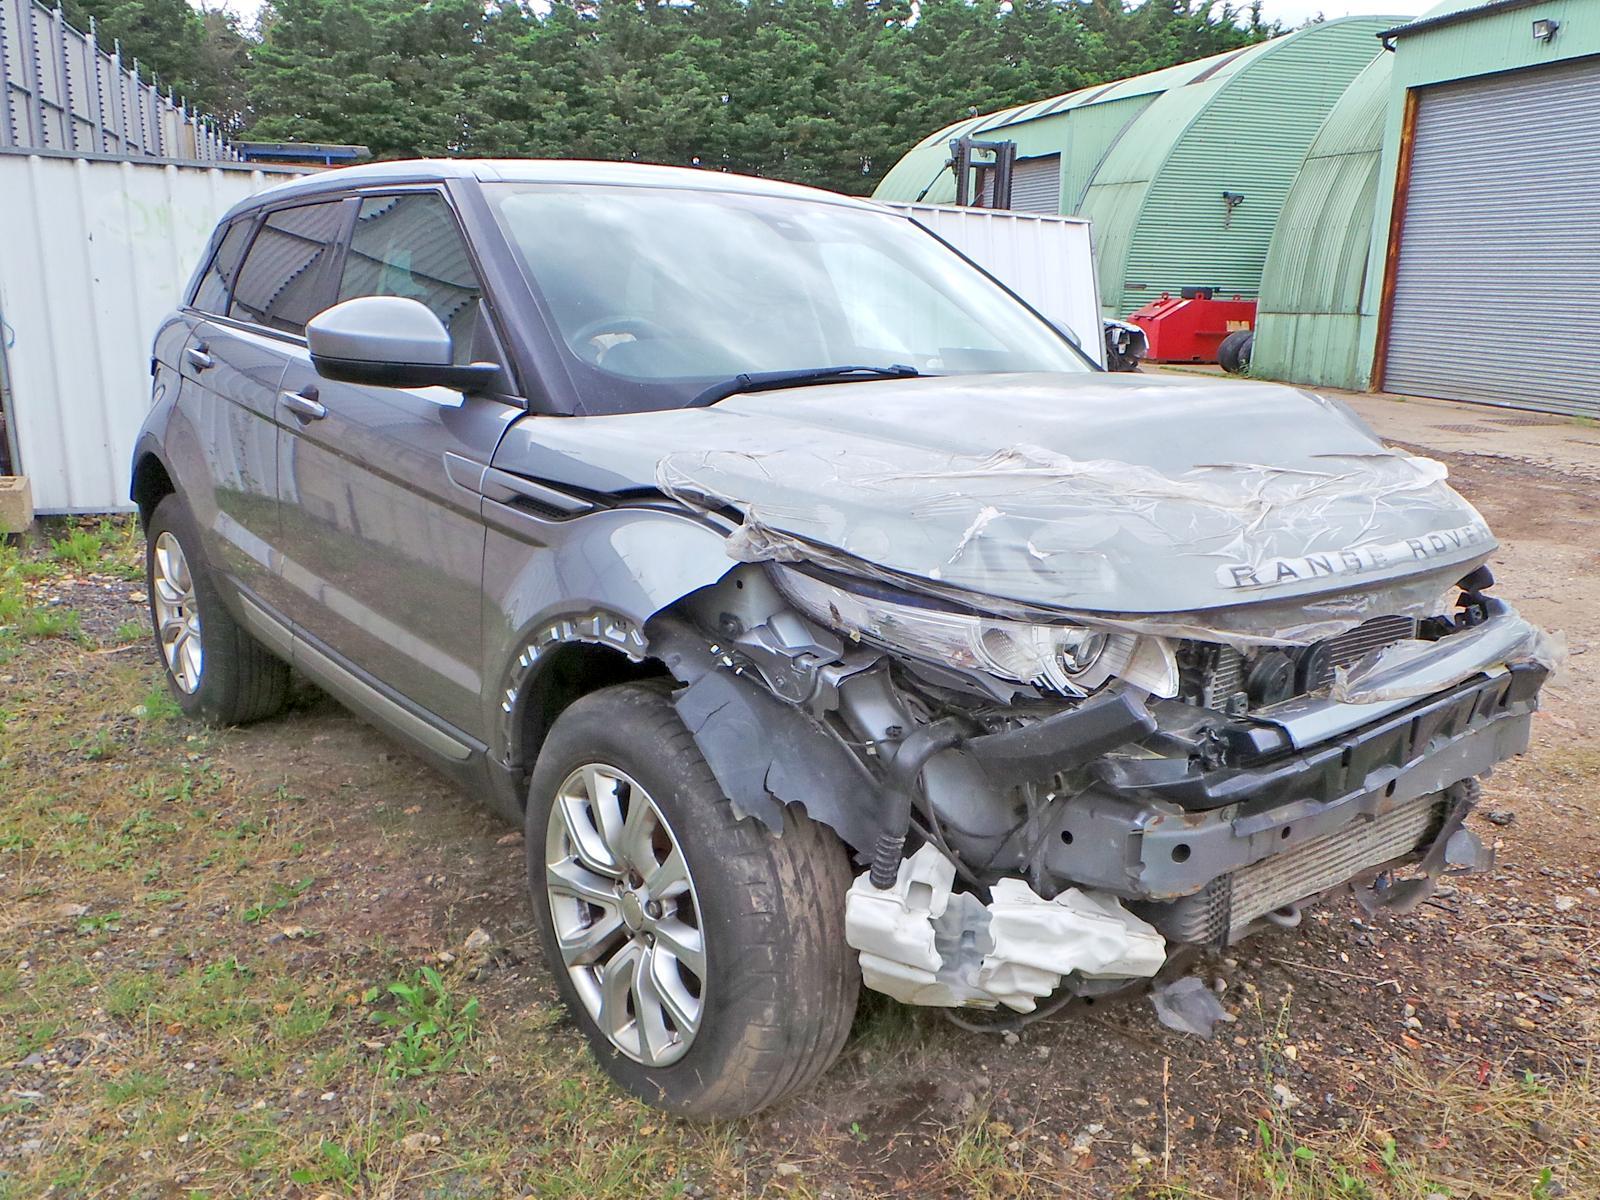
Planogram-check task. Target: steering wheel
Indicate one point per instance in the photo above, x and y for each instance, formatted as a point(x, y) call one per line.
point(638, 328)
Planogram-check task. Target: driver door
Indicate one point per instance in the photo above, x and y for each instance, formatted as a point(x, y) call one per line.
point(383, 550)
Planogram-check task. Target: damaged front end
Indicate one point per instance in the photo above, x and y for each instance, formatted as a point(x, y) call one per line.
point(1021, 837)
point(1048, 797)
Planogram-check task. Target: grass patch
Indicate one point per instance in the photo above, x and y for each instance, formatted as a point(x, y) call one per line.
point(57, 622)
point(432, 1025)
point(195, 1043)
point(81, 548)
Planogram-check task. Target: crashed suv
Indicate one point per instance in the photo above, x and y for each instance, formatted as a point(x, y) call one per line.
point(820, 612)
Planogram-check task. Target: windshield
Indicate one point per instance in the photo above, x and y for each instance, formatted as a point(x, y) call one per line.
point(658, 293)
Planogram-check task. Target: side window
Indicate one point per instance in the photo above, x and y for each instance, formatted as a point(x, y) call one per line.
point(284, 281)
point(411, 246)
point(212, 294)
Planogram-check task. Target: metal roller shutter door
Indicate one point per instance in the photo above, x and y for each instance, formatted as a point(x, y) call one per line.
point(1497, 283)
point(1036, 185)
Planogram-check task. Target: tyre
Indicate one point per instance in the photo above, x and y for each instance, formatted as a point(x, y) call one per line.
point(702, 956)
point(1233, 355)
point(215, 670)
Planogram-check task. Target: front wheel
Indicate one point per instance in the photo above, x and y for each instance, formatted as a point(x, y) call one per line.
point(703, 957)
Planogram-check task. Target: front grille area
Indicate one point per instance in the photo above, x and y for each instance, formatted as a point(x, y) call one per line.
point(1224, 674)
point(1350, 648)
point(1230, 903)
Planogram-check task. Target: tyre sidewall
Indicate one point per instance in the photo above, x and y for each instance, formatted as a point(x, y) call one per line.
point(725, 859)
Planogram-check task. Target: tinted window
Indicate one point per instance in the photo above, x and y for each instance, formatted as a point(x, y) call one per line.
point(212, 294)
point(284, 281)
point(411, 246)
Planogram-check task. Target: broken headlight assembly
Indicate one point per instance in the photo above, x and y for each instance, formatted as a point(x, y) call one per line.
point(1073, 660)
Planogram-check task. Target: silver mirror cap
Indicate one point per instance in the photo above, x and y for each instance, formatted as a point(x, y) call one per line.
point(380, 329)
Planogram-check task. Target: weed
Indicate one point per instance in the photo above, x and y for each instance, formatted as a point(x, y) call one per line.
point(228, 968)
point(100, 923)
point(432, 1025)
point(52, 623)
point(130, 631)
point(81, 548)
point(97, 746)
point(333, 1164)
point(159, 705)
point(283, 895)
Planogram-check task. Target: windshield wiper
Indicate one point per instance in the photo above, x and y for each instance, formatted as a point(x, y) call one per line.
point(763, 381)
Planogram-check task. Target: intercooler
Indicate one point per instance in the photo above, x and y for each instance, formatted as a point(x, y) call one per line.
point(1315, 664)
point(1230, 903)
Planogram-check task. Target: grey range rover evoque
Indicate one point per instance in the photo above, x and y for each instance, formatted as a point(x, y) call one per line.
point(820, 612)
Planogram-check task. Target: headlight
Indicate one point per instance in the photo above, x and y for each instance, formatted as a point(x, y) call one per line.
point(1064, 658)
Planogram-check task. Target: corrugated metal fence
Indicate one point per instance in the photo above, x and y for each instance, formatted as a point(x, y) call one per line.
point(60, 91)
point(94, 253)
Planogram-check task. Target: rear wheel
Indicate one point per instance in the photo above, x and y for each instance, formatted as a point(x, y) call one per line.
point(215, 670)
point(702, 956)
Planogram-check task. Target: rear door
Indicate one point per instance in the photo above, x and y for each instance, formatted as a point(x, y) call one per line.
point(225, 448)
point(384, 548)
point(255, 314)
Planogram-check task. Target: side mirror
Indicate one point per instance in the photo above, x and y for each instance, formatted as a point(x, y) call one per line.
point(390, 341)
point(1067, 332)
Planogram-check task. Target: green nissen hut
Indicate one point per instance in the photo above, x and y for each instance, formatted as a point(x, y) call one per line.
point(1183, 171)
point(1442, 238)
point(1310, 318)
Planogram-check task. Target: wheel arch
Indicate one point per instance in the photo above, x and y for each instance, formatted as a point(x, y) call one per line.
point(565, 660)
point(151, 482)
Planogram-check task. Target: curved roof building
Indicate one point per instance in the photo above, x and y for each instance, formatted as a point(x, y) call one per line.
point(1183, 171)
point(1314, 298)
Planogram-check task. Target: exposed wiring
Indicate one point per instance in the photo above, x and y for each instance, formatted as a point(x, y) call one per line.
point(1016, 1022)
point(1010, 1024)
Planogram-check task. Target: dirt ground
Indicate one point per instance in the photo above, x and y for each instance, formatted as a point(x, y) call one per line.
point(202, 933)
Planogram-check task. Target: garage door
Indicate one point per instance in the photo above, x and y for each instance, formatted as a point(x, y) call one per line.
point(1497, 284)
point(1036, 184)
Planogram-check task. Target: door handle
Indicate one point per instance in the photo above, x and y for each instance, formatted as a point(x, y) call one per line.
point(198, 358)
point(304, 404)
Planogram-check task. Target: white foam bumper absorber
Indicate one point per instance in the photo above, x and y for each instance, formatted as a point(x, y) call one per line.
point(924, 944)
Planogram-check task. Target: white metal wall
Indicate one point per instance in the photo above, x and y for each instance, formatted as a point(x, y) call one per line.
point(1047, 260)
point(93, 253)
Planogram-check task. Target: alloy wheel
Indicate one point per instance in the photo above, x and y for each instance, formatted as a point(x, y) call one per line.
point(625, 914)
point(177, 613)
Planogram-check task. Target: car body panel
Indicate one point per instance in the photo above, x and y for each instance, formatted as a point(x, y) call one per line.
point(383, 550)
point(1094, 493)
point(228, 438)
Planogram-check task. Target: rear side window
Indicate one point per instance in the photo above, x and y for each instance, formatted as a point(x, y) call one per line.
point(212, 294)
point(411, 246)
point(285, 280)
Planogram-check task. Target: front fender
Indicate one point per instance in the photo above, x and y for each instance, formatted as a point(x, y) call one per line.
point(594, 579)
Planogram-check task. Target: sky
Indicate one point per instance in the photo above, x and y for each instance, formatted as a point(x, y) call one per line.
point(1290, 12)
